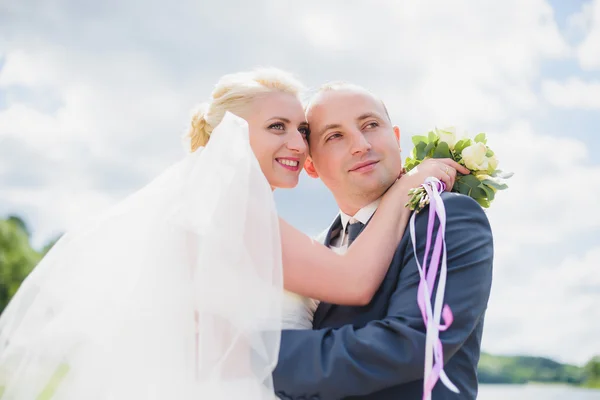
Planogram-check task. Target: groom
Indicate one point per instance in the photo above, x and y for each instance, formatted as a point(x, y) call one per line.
point(377, 351)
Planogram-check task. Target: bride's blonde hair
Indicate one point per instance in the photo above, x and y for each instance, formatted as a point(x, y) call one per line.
point(234, 93)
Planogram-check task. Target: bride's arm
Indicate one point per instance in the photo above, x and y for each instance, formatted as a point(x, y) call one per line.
point(313, 270)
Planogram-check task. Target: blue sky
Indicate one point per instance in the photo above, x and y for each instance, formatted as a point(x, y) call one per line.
point(94, 98)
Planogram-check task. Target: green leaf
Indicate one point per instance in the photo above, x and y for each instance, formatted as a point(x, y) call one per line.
point(495, 185)
point(410, 163)
point(490, 194)
point(481, 138)
point(460, 188)
point(470, 180)
point(461, 144)
point(419, 138)
point(420, 152)
point(442, 151)
point(432, 137)
point(485, 203)
point(430, 149)
point(478, 193)
point(469, 185)
point(502, 175)
point(489, 152)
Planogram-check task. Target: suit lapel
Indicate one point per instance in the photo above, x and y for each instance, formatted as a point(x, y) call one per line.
point(323, 307)
point(337, 224)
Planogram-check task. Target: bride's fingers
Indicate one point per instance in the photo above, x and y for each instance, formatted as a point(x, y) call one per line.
point(451, 163)
point(444, 175)
point(448, 176)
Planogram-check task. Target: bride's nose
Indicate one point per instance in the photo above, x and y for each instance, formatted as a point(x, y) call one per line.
point(297, 143)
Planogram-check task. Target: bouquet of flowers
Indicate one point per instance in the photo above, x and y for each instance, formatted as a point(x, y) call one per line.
point(485, 178)
point(481, 184)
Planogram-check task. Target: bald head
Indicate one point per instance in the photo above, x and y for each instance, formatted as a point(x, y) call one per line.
point(350, 126)
point(343, 87)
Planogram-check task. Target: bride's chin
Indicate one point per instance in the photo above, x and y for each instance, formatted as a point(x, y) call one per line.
point(284, 184)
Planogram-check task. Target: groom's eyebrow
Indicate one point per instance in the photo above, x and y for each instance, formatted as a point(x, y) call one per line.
point(328, 127)
point(368, 115)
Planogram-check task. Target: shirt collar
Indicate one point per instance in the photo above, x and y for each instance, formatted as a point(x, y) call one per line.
point(363, 215)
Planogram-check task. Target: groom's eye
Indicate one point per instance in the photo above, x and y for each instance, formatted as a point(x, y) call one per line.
point(372, 125)
point(333, 136)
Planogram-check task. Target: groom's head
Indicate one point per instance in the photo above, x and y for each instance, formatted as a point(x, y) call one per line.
point(354, 148)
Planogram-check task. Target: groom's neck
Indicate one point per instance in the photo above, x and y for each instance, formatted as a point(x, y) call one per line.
point(352, 206)
point(353, 202)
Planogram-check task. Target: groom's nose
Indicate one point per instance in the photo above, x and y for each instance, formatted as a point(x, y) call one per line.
point(359, 143)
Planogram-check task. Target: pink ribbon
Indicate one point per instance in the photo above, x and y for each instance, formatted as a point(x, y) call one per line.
point(432, 313)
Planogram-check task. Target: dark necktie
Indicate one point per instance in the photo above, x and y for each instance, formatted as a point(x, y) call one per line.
point(353, 231)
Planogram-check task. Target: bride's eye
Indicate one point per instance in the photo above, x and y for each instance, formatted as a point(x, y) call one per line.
point(278, 125)
point(304, 131)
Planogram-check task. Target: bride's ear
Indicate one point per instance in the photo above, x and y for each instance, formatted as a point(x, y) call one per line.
point(309, 167)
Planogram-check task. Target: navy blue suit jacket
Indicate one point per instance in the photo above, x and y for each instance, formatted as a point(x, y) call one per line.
point(377, 351)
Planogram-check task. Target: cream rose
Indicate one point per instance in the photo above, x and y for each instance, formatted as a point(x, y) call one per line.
point(448, 135)
point(492, 164)
point(474, 157)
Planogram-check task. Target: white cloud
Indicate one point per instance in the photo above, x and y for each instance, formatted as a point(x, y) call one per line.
point(574, 93)
point(544, 293)
point(587, 52)
point(546, 197)
point(436, 61)
point(22, 69)
point(579, 23)
point(552, 312)
point(122, 98)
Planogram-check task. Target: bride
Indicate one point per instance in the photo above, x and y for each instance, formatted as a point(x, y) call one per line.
point(181, 290)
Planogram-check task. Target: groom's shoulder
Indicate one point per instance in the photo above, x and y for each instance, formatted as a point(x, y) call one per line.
point(456, 199)
point(463, 214)
point(457, 205)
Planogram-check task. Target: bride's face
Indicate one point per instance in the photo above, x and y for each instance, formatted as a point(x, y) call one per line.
point(278, 130)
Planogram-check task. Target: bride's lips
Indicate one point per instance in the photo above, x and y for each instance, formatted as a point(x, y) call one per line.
point(364, 166)
point(290, 163)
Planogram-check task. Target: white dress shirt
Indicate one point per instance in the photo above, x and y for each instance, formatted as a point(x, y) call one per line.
point(340, 243)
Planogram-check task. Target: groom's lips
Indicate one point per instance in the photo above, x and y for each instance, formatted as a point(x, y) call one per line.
point(364, 166)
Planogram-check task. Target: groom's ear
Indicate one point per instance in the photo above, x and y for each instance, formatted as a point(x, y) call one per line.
point(397, 132)
point(309, 167)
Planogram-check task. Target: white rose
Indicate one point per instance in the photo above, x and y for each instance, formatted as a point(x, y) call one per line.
point(448, 135)
point(492, 164)
point(474, 157)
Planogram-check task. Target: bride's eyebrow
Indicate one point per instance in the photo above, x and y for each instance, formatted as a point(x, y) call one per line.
point(287, 121)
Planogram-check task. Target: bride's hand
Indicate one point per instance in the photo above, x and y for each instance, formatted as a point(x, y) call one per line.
point(444, 169)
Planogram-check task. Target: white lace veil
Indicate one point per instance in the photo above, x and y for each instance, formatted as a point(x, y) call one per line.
point(175, 293)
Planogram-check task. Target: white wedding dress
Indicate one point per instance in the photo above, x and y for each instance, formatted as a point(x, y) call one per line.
point(298, 311)
point(175, 293)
